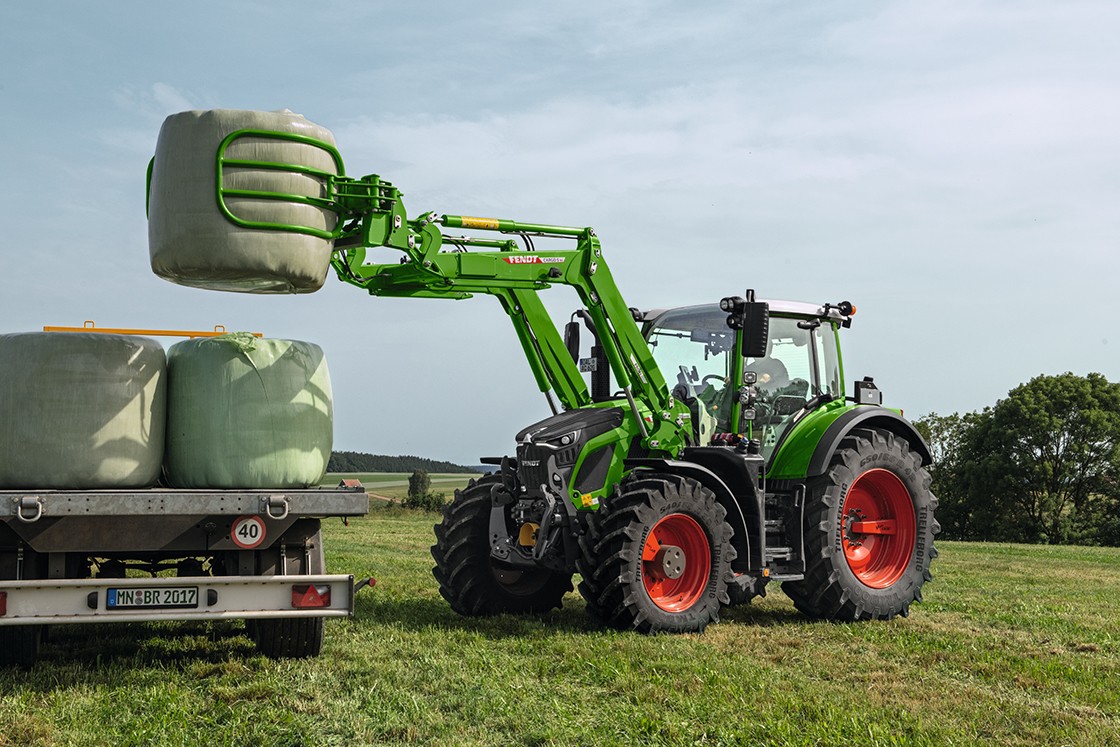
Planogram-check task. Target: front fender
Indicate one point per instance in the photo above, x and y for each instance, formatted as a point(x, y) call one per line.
point(745, 526)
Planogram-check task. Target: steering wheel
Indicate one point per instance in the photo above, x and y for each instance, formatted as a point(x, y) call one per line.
point(714, 377)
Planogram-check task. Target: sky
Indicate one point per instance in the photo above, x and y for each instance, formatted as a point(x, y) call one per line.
point(951, 168)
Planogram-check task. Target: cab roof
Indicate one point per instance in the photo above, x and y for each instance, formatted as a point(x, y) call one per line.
point(777, 306)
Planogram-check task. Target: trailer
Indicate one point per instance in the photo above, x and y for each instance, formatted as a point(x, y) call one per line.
point(95, 556)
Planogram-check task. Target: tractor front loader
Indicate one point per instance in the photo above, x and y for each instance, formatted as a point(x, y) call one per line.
point(670, 499)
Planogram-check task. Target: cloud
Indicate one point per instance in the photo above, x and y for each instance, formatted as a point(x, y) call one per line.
point(154, 102)
point(169, 99)
point(949, 148)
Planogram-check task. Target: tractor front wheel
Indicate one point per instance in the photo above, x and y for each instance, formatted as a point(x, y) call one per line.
point(869, 529)
point(663, 557)
point(472, 581)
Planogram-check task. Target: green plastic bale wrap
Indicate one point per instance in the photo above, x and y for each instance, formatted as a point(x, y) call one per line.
point(81, 410)
point(247, 413)
point(192, 242)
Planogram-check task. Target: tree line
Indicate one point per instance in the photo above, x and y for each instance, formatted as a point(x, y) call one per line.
point(357, 461)
point(1040, 466)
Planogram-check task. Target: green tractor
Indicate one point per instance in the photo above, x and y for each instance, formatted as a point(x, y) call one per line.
point(777, 476)
point(670, 498)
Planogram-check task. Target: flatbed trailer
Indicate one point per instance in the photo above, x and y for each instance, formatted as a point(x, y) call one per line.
point(79, 556)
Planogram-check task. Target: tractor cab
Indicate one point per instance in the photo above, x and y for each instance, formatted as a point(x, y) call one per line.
point(800, 369)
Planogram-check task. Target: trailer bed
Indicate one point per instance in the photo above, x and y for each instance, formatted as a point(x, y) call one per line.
point(29, 505)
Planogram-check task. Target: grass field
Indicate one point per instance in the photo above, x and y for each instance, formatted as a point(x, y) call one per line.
point(1013, 645)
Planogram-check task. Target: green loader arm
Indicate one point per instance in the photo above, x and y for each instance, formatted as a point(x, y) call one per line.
point(434, 265)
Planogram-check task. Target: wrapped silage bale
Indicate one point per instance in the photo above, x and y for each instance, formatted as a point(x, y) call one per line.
point(247, 413)
point(190, 240)
point(81, 410)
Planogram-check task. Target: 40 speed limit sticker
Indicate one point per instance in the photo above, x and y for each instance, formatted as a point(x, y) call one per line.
point(247, 532)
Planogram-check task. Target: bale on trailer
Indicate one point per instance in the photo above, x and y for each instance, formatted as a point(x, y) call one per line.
point(248, 413)
point(81, 411)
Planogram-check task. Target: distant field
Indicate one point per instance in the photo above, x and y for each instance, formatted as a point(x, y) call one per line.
point(1014, 645)
point(395, 484)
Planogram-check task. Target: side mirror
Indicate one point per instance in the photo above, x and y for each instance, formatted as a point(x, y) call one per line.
point(571, 339)
point(756, 329)
point(751, 316)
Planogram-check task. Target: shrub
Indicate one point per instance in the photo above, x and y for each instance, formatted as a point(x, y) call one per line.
point(419, 485)
point(427, 502)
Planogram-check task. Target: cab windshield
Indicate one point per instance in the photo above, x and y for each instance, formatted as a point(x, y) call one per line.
point(694, 346)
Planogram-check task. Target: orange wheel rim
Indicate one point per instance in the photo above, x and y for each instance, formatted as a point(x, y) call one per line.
point(676, 562)
point(877, 523)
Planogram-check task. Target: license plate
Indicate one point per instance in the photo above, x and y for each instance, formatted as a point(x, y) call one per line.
point(152, 597)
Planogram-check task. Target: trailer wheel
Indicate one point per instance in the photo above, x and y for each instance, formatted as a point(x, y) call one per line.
point(291, 637)
point(663, 557)
point(473, 582)
point(869, 528)
point(19, 644)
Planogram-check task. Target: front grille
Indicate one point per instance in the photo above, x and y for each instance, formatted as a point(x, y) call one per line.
point(532, 464)
point(535, 475)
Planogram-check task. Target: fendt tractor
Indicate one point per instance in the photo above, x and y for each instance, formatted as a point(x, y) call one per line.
point(670, 499)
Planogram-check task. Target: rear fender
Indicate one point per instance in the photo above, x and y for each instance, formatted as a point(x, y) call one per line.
point(865, 417)
point(807, 449)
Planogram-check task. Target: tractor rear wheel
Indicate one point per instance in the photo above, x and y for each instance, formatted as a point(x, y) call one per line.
point(473, 582)
point(663, 557)
point(869, 529)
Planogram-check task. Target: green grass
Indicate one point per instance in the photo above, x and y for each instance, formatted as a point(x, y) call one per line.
point(1013, 645)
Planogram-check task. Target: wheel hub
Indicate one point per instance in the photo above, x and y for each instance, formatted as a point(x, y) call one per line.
point(671, 560)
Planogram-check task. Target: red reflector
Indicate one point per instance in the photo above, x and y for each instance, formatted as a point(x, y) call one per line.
point(308, 595)
point(3, 603)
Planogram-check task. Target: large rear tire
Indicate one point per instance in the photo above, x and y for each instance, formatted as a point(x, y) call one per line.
point(869, 529)
point(472, 581)
point(662, 561)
